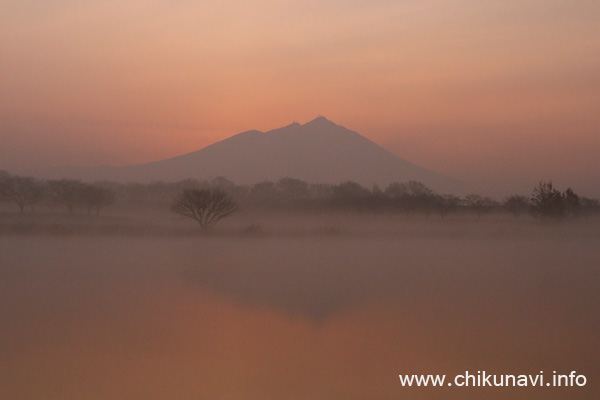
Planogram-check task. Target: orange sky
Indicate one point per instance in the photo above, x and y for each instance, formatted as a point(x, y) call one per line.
point(505, 91)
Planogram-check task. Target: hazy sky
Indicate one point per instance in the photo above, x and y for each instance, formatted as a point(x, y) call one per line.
point(480, 90)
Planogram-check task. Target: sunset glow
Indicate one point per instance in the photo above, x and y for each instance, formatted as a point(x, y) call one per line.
point(502, 91)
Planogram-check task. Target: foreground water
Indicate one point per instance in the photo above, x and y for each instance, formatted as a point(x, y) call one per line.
point(307, 317)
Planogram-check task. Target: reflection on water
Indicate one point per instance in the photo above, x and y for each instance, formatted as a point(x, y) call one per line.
point(295, 318)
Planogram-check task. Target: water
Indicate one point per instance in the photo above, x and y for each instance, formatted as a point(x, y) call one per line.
point(296, 317)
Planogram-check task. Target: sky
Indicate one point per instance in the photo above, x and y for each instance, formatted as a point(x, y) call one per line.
point(499, 94)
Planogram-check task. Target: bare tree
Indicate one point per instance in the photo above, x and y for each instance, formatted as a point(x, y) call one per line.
point(24, 191)
point(479, 204)
point(205, 206)
point(572, 203)
point(516, 205)
point(411, 196)
point(4, 183)
point(589, 206)
point(67, 192)
point(264, 193)
point(95, 197)
point(293, 189)
point(446, 204)
point(547, 202)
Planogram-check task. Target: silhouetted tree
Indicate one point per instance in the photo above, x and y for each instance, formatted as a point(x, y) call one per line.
point(377, 192)
point(350, 194)
point(546, 201)
point(411, 196)
point(264, 193)
point(205, 206)
point(222, 183)
point(67, 192)
point(589, 206)
point(237, 192)
point(516, 205)
point(320, 191)
point(94, 197)
point(379, 201)
point(293, 189)
point(445, 204)
point(397, 194)
point(4, 177)
point(572, 203)
point(479, 204)
point(24, 191)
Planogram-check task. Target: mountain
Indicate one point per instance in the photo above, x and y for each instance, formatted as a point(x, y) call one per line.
point(319, 151)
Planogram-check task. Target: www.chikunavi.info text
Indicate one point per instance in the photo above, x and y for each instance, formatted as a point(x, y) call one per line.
point(484, 379)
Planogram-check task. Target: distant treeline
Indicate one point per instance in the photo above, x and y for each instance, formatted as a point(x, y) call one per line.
point(289, 194)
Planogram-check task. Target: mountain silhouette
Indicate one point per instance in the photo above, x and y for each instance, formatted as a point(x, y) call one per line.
point(319, 151)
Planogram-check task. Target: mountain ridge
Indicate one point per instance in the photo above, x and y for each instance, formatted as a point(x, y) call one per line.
point(319, 151)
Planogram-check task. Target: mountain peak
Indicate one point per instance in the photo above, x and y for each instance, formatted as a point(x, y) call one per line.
point(320, 121)
point(319, 151)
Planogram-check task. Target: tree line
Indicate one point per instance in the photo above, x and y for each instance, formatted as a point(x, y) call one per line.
point(29, 192)
point(290, 194)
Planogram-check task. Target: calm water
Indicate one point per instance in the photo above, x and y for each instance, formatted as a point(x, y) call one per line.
point(324, 317)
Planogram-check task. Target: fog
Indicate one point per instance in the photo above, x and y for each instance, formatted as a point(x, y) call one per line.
point(304, 307)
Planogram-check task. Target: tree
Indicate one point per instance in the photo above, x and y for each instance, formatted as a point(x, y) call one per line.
point(411, 196)
point(222, 183)
point(516, 205)
point(479, 204)
point(398, 195)
point(264, 193)
point(95, 197)
point(320, 191)
point(4, 182)
point(67, 192)
point(546, 201)
point(205, 206)
point(350, 194)
point(24, 191)
point(589, 206)
point(446, 203)
point(293, 189)
point(572, 203)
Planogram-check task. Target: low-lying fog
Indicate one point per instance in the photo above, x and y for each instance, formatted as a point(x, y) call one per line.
point(326, 314)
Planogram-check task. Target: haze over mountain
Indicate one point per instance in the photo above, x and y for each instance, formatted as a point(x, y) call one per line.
point(319, 151)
